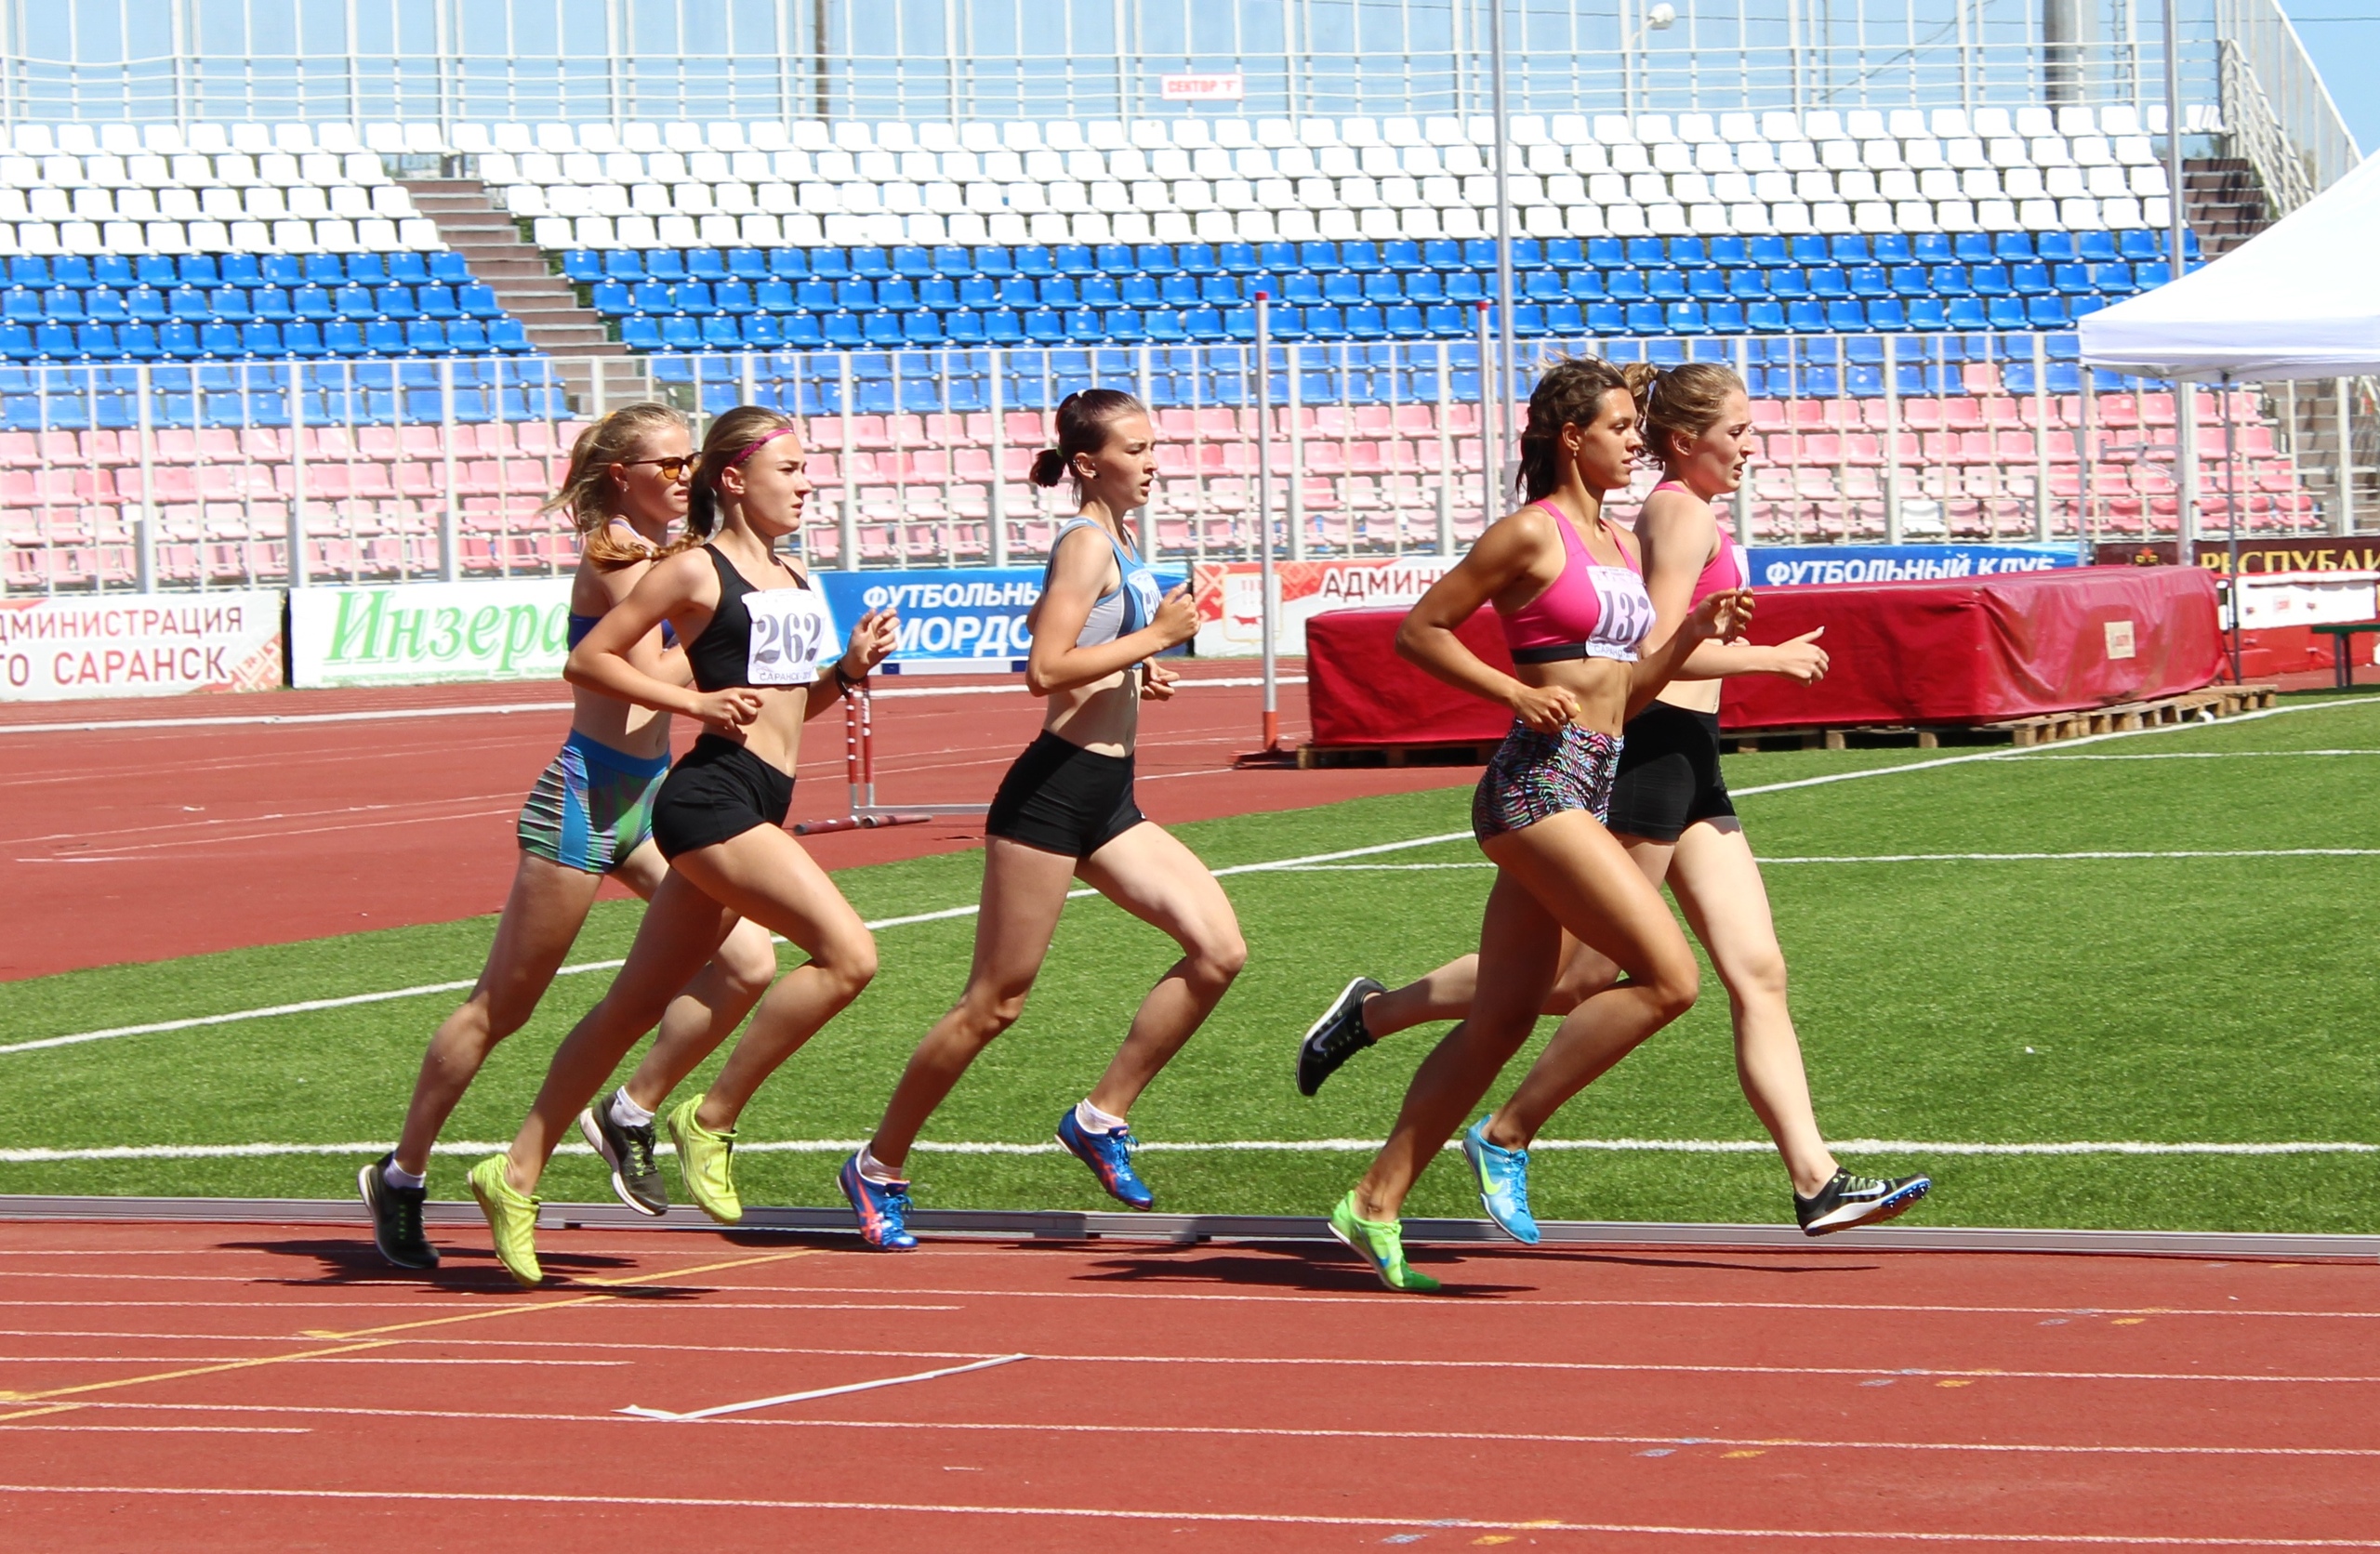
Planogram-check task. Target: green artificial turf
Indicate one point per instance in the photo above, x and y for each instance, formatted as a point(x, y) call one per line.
point(2011, 1001)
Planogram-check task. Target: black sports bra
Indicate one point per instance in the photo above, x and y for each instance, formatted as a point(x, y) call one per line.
point(781, 647)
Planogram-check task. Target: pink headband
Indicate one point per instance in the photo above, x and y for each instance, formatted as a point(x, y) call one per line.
point(751, 448)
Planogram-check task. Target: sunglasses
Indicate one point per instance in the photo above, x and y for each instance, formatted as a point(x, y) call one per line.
point(672, 468)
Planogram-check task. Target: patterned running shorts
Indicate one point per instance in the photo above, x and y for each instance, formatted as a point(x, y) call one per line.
point(591, 807)
point(1533, 776)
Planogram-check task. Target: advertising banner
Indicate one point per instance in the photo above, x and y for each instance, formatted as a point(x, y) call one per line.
point(957, 620)
point(422, 632)
point(139, 645)
point(1230, 597)
point(1795, 566)
point(2261, 553)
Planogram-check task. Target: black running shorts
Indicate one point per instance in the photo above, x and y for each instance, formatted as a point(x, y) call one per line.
point(1061, 797)
point(1669, 775)
point(720, 791)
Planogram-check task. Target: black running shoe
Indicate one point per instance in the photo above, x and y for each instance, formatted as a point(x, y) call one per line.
point(629, 1151)
point(1336, 1037)
point(1846, 1201)
point(396, 1217)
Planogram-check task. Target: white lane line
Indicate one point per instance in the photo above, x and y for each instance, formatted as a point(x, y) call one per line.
point(1260, 1432)
point(1113, 1513)
point(2035, 752)
point(947, 914)
point(227, 1359)
point(486, 709)
point(2211, 754)
point(38, 1156)
point(725, 1408)
point(1912, 858)
point(350, 1000)
point(12, 1427)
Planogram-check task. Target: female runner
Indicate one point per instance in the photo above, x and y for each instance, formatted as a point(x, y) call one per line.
point(757, 641)
point(1065, 812)
point(589, 816)
point(1565, 585)
point(1670, 810)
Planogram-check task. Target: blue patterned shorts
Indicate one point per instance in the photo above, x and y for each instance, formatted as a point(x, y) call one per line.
point(1533, 776)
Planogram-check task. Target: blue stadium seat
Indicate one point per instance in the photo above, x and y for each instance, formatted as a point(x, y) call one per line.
point(1034, 261)
point(871, 263)
point(1805, 316)
point(2070, 280)
point(186, 303)
point(2012, 247)
point(1427, 287)
point(2054, 248)
point(384, 338)
point(1892, 248)
point(1848, 249)
point(1828, 284)
point(395, 302)
point(1644, 318)
point(1868, 280)
point(1074, 259)
point(426, 336)
point(1724, 318)
point(1768, 251)
point(406, 269)
point(2047, 312)
point(895, 295)
point(1665, 285)
point(2111, 280)
point(2029, 280)
point(1706, 286)
point(105, 304)
point(214, 339)
point(2095, 247)
point(1684, 318)
point(1747, 285)
point(2140, 247)
point(157, 270)
point(62, 305)
point(1163, 324)
point(619, 264)
point(1583, 286)
point(1788, 284)
point(268, 303)
point(30, 270)
point(340, 337)
point(1990, 280)
point(229, 305)
point(801, 331)
point(1625, 286)
point(1931, 248)
point(260, 339)
point(582, 267)
point(1925, 313)
point(1886, 313)
point(476, 300)
point(1057, 291)
point(436, 302)
point(2006, 312)
point(1809, 249)
point(2153, 272)
point(1846, 316)
point(1689, 253)
point(1099, 291)
point(1910, 281)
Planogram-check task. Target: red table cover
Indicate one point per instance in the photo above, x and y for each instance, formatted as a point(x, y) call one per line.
point(1970, 649)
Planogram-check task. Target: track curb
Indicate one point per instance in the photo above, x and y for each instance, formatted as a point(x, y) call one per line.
point(1069, 1225)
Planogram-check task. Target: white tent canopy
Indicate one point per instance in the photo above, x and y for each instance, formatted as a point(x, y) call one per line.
point(2297, 300)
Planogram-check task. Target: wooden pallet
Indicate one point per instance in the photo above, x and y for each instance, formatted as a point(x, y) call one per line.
point(2216, 701)
point(1472, 752)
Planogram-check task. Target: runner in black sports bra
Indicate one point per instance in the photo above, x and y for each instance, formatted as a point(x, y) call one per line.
point(763, 659)
point(720, 789)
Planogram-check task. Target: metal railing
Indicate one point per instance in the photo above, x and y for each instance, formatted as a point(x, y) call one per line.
point(2277, 112)
point(446, 60)
point(127, 479)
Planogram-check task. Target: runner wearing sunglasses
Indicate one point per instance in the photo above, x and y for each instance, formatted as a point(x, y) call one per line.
point(588, 817)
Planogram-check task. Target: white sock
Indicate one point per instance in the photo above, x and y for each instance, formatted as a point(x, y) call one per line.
point(628, 1113)
point(875, 1170)
point(397, 1176)
point(1090, 1119)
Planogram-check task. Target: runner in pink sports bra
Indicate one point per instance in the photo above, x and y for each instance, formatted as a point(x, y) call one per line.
point(1590, 610)
point(1669, 808)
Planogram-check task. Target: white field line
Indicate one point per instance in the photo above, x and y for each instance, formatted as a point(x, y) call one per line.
point(485, 709)
point(716, 1411)
point(949, 912)
point(1703, 1534)
point(2211, 755)
point(1911, 858)
point(1255, 1146)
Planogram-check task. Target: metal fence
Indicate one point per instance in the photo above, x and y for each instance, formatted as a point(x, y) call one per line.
point(121, 479)
point(446, 60)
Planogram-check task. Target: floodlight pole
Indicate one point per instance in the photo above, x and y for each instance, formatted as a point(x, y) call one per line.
point(1496, 448)
point(2231, 520)
point(1264, 514)
point(2185, 513)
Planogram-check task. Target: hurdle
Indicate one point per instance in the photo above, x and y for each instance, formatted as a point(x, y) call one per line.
point(859, 770)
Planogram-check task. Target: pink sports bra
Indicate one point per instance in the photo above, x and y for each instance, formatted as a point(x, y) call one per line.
point(1590, 610)
point(1726, 569)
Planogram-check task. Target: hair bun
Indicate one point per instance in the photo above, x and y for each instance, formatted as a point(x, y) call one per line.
point(1640, 376)
point(1049, 467)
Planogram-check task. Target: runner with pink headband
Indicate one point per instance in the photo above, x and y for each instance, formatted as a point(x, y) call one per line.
point(765, 659)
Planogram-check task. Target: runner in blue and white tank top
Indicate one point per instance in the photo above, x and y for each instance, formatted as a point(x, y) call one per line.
point(1065, 812)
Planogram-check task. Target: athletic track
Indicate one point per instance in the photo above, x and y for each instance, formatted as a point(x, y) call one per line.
point(209, 1386)
point(136, 843)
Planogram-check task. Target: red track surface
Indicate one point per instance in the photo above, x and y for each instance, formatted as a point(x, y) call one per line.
point(133, 844)
point(1210, 1396)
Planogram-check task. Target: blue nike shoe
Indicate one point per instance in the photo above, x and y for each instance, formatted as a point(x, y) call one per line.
point(1109, 1155)
point(1501, 1176)
point(882, 1207)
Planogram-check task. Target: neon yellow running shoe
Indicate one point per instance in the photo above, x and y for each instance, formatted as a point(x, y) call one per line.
point(1382, 1245)
point(708, 1160)
point(511, 1219)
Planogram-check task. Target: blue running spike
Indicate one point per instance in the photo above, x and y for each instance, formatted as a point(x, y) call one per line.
point(1109, 1155)
point(882, 1207)
point(1501, 1176)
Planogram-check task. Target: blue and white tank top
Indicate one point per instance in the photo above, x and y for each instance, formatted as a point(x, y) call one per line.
point(1133, 604)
